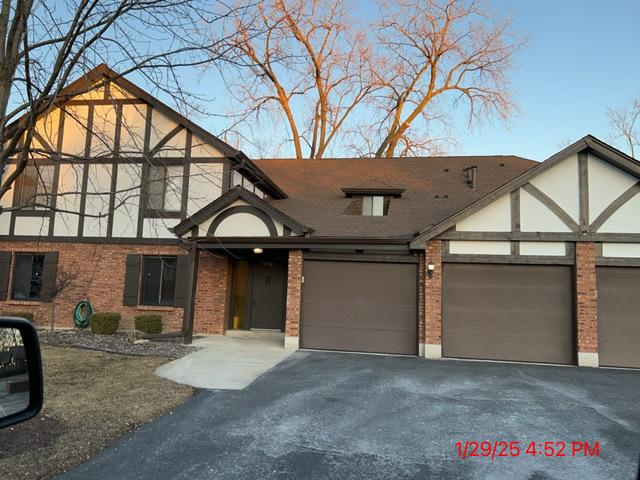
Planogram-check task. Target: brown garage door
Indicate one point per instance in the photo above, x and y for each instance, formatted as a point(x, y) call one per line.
point(359, 307)
point(619, 316)
point(508, 312)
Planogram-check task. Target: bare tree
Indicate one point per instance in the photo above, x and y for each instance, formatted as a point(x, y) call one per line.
point(384, 89)
point(625, 123)
point(65, 280)
point(43, 45)
point(309, 60)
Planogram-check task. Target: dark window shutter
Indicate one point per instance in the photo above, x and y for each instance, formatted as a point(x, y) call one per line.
point(49, 271)
point(131, 276)
point(182, 270)
point(5, 264)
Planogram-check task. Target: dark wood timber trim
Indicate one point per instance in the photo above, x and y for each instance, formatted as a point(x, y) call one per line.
point(615, 206)
point(227, 176)
point(515, 219)
point(114, 170)
point(551, 205)
point(510, 259)
point(142, 199)
point(543, 236)
point(185, 176)
point(617, 262)
point(361, 257)
point(139, 159)
point(583, 185)
point(266, 219)
point(105, 240)
point(85, 172)
point(107, 101)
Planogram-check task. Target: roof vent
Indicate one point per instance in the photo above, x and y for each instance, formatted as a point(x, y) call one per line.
point(471, 176)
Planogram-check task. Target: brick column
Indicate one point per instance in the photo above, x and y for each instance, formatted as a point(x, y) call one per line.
point(213, 292)
point(433, 300)
point(586, 304)
point(294, 290)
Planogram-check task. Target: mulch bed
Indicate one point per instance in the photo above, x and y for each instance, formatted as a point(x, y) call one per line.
point(117, 343)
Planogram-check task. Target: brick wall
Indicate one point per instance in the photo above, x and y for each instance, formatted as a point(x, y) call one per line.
point(213, 293)
point(294, 290)
point(586, 297)
point(101, 269)
point(433, 294)
point(421, 293)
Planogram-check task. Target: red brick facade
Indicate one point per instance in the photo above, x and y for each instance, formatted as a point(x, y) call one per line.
point(101, 270)
point(586, 297)
point(294, 290)
point(433, 294)
point(421, 292)
point(213, 293)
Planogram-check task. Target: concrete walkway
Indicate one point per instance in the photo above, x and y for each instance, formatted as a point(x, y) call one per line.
point(227, 362)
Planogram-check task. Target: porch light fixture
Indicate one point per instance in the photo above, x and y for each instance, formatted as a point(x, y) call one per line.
point(257, 250)
point(430, 268)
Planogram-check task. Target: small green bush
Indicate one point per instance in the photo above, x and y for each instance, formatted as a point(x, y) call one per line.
point(104, 323)
point(20, 314)
point(149, 323)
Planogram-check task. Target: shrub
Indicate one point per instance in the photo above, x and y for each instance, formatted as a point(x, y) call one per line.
point(104, 323)
point(20, 314)
point(149, 323)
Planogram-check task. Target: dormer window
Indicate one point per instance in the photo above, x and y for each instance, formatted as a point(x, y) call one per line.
point(371, 198)
point(373, 205)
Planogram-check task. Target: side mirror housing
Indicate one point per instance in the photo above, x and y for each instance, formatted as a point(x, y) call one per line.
point(21, 383)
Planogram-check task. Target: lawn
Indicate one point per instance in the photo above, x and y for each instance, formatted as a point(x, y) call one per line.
point(91, 399)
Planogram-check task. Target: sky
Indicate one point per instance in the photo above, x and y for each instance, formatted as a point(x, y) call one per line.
point(582, 57)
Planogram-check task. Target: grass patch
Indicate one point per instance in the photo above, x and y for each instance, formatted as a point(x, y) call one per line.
point(91, 400)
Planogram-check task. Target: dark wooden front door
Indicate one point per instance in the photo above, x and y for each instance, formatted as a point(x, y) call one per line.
point(268, 294)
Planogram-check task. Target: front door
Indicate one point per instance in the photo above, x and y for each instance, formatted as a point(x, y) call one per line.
point(268, 294)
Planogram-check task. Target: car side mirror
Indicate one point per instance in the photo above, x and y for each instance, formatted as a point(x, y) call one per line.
point(20, 371)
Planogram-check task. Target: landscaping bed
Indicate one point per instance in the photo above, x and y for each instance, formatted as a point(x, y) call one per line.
point(115, 343)
point(91, 399)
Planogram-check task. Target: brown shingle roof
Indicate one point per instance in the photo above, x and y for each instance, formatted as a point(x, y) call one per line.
point(435, 189)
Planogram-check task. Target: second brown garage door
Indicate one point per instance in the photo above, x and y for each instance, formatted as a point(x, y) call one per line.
point(619, 316)
point(359, 307)
point(508, 312)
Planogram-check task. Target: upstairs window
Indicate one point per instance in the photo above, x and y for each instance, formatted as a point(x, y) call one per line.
point(164, 189)
point(373, 205)
point(34, 186)
point(158, 281)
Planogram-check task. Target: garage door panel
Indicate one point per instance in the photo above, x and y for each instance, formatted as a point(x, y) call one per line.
point(619, 316)
point(359, 306)
point(362, 294)
point(508, 312)
point(362, 317)
point(358, 340)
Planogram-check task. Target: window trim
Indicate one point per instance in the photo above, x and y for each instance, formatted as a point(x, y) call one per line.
point(141, 290)
point(39, 298)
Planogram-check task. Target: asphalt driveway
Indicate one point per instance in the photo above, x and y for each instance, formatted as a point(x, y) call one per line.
point(343, 416)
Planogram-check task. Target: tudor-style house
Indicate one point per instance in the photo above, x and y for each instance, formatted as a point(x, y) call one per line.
point(482, 257)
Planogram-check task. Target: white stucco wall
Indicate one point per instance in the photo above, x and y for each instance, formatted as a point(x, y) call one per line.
point(606, 183)
point(536, 217)
point(99, 183)
point(628, 250)
point(242, 225)
point(495, 217)
point(625, 220)
point(543, 248)
point(70, 180)
point(205, 185)
point(32, 226)
point(125, 215)
point(158, 227)
point(561, 184)
point(472, 247)
point(6, 201)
